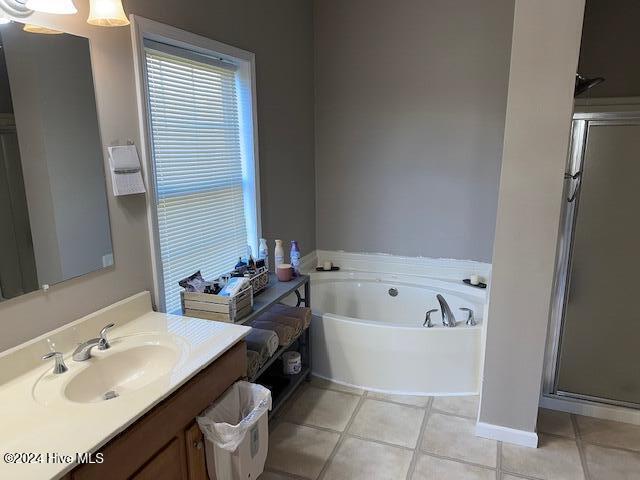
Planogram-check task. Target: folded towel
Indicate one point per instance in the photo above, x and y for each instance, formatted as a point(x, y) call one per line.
point(303, 313)
point(265, 342)
point(293, 322)
point(286, 334)
point(253, 363)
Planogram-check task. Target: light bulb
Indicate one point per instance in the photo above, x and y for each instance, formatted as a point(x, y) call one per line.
point(62, 7)
point(107, 13)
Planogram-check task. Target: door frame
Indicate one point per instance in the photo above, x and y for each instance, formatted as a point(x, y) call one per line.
point(582, 120)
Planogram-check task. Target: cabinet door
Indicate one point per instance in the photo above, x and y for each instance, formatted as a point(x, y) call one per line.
point(196, 460)
point(169, 464)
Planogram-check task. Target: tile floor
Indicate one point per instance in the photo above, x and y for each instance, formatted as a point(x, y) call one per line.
point(331, 432)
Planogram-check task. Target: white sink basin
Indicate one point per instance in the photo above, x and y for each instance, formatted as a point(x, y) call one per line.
point(120, 373)
point(131, 364)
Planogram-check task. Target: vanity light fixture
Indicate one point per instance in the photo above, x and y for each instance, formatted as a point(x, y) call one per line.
point(61, 7)
point(31, 28)
point(107, 13)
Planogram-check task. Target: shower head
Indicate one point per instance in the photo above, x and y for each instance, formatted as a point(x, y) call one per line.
point(583, 84)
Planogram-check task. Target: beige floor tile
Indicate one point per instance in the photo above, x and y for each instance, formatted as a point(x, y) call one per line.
point(362, 460)
point(506, 476)
point(455, 437)
point(608, 464)
point(388, 422)
point(416, 401)
point(432, 468)
point(323, 383)
point(464, 406)
point(300, 450)
point(322, 408)
point(608, 433)
point(555, 458)
point(556, 423)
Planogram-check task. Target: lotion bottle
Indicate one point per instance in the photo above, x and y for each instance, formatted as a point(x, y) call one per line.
point(295, 257)
point(278, 254)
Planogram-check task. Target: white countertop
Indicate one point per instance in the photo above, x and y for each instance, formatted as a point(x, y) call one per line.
point(46, 422)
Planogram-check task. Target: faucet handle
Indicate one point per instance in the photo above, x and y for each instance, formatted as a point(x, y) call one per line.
point(60, 366)
point(427, 319)
point(104, 342)
point(471, 321)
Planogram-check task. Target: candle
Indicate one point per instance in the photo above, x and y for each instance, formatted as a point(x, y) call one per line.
point(474, 280)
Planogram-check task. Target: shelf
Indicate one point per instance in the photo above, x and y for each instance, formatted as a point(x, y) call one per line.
point(275, 292)
point(284, 395)
point(275, 356)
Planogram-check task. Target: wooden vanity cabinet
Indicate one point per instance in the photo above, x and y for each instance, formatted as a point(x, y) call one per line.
point(166, 444)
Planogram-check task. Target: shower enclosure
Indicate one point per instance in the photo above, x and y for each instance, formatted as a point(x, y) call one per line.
point(594, 334)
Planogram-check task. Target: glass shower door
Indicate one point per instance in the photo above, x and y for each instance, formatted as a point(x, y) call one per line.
point(599, 344)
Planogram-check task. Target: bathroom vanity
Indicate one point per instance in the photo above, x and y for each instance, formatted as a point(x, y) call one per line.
point(167, 443)
point(129, 409)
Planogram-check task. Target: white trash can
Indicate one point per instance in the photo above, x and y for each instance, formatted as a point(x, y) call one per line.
point(236, 431)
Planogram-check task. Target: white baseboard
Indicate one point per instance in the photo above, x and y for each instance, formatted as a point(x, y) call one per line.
point(591, 409)
point(506, 434)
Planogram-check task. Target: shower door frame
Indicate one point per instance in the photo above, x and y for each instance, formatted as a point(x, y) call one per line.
point(575, 163)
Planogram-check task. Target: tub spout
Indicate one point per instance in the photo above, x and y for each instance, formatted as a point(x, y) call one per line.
point(448, 320)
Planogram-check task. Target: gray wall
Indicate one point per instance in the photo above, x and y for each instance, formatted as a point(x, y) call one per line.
point(611, 46)
point(544, 58)
point(280, 33)
point(410, 105)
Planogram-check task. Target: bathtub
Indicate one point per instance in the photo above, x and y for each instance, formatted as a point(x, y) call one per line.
point(363, 336)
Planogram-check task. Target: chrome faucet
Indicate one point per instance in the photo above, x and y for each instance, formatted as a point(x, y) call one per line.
point(59, 366)
point(104, 342)
point(448, 320)
point(427, 319)
point(471, 321)
point(83, 351)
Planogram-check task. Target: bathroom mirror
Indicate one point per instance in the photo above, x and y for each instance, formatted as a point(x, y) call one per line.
point(54, 218)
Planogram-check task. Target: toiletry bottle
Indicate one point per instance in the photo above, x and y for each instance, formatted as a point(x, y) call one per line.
point(295, 257)
point(241, 263)
point(263, 252)
point(278, 254)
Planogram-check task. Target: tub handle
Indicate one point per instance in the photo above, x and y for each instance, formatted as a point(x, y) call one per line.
point(471, 321)
point(427, 319)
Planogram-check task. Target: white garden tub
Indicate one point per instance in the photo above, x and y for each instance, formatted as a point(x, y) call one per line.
point(365, 337)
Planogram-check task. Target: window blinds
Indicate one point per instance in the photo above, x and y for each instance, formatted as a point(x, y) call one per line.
point(197, 163)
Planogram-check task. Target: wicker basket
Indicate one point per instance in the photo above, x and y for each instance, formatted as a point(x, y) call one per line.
point(260, 280)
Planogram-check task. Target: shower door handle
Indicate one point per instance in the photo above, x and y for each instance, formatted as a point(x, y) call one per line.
point(577, 179)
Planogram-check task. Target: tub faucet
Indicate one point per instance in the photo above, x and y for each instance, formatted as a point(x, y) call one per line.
point(448, 320)
point(427, 319)
point(471, 321)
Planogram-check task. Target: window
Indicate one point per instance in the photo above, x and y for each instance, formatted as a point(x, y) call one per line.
point(201, 142)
